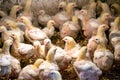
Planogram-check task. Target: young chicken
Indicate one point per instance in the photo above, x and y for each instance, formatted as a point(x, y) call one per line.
point(62, 17)
point(71, 47)
point(70, 28)
point(50, 62)
point(5, 34)
point(21, 50)
point(62, 5)
point(115, 31)
point(92, 45)
point(14, 27)
point(115, 9)
point(5, 60)
point(103, 57)
point(90, 26)
point(32, 33)
point(31, 71)
point(49, 29)
point(85, 69)
point(114, 37)
point(14, 10)
point(9, 65)
point(43, 18)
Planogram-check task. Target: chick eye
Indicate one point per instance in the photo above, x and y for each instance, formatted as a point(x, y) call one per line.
point(52, 74)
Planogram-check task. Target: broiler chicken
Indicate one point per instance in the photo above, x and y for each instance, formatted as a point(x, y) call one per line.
point(50, 29)
point(32, 33)
point(103, 57)
point(70, 28)
point(43, 18)
point(85, 69)
point(31, 71)
point(62, 17)
point(71, 47)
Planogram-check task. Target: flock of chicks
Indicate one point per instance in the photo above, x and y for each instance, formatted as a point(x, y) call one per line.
point(21, 41)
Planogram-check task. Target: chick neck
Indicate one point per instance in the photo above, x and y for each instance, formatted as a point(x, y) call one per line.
point(16, 42)
point(13, 11)
point(100, 32)
point(6, 47)
point(101, 46)
point(38, 62)
point(28, 24)
point(75, 19)
point(82, 54)
point(47, 48)
point(70, 45)
point(84, 18)
point(116, 24)
point(27, 9)
point(50, 57)
point(69, 10)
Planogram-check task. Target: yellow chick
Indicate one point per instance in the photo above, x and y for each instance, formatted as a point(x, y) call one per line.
point(49, 29)
point(84, 68)
point(14, 27)
point(70, 28)
point(92, 45)
point(71, 47)
point(103, 57)
point(9, 65)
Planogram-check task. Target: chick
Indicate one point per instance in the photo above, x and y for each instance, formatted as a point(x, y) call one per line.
point(115, 31)
point(62, 17)
point(62, 5)
point(85, 69)
point(50, 62)
point(32, 33)
point(90, 26)
point(70, 28)
point(92, 45)
point(115, 9)
point(14, 27)
point(12, 15)
point(114, 37)
point(9, 65)
point(71, 47)
point(5, 34)
point(49, 29)
point(103, 57)
point(31, 71)
point(21, 50)
point(5, 60)
point(14, 10)
point(43, 18)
